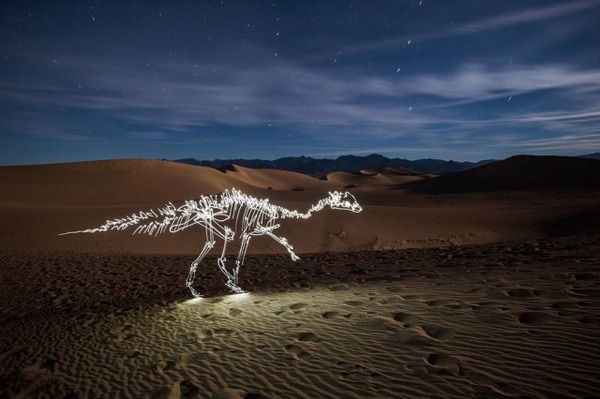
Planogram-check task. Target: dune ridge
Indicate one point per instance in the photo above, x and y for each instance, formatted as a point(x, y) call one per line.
point(385, 176)
point(519, 173)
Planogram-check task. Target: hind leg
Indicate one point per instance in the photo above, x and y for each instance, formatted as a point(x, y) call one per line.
point(210, 243)
point(232, 277)
point(239, 262)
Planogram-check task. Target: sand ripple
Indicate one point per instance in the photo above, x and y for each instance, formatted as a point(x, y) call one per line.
point(517, 320)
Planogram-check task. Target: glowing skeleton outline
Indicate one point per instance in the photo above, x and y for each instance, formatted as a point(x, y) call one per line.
point(249, 215)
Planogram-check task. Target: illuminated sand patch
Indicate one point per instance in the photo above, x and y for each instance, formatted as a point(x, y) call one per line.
point(420, 339)
point(504, 320)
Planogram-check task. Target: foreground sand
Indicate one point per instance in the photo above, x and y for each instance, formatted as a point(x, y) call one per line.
point(509, 320)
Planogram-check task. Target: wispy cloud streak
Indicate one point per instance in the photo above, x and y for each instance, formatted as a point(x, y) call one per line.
point(187, 98)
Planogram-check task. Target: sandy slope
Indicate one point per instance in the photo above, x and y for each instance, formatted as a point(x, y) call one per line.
point(381, 177)
point(419, 312)
point(39, 202)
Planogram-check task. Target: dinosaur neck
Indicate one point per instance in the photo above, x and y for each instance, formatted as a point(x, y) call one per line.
point(300, 215)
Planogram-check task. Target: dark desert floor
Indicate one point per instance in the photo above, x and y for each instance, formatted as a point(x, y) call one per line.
point(509, 320)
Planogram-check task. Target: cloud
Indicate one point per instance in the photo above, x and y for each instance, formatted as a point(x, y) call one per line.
point(529, 15)
point(474, 82)
point(176, 97)
point(487, 24)
point(182, 96)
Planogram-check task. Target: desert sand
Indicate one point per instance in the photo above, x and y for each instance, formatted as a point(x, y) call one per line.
point(428, 292)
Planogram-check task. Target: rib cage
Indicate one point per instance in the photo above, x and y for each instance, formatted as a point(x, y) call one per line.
point(235, 207)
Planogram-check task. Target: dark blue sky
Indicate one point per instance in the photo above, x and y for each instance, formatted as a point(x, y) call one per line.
point(463, 80)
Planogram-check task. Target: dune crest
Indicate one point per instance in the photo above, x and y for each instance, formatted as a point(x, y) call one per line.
point(381, 177)
point(519, 173)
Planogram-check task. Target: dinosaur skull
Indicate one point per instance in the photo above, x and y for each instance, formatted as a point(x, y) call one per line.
point(344, 201)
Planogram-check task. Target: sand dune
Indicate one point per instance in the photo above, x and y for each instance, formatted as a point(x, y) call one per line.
point(272, 179)
point(39, 202)
point(133, 182)
point(523, 173)
point(448, 293)
point(376, 177)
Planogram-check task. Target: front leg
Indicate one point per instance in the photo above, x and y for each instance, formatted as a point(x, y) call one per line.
point(282, 240)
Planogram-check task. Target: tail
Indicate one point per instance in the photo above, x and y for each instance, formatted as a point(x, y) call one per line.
point(169, 214)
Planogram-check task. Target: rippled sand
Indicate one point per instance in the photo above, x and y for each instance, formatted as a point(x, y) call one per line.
point(509, 320)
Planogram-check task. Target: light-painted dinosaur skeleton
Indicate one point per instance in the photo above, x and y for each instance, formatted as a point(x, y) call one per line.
point(229, 216)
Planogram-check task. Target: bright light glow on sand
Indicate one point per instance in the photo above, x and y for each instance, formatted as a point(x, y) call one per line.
point(194, 301)
point(229, 216)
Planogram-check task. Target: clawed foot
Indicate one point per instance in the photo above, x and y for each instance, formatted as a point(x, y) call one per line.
point(234, 288)
point(195, 293)
point(295, 257)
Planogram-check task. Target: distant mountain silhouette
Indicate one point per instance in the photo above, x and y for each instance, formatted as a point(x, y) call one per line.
point(347, 163)
point(595, 155)
point(517, 173)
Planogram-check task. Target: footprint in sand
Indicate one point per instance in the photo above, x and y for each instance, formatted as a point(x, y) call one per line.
point(296, 351)
point(188, 390)
point(298, 306)
point(522, 293)
point(122, 332)
point(446, 303)
point(39, 368)
point(534, 317)
point(180, 390)
point(233, 312)
point(564, 305)
point(485, 387)
point(222, 331)
point(390, 301)
point(132, 353)
point(13, 351)
point(333, 315)
point(202, 335)
point(406, 318)
point(308, 337)
point(437, 363)
point(352, 372)
point(49, 364)
point(163, 366)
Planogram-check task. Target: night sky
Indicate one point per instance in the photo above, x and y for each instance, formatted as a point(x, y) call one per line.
point(462, 80)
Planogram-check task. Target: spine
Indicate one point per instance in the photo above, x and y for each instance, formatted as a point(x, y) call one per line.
point(155, 227)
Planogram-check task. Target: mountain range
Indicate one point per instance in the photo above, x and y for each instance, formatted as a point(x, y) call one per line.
point(348, 163)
